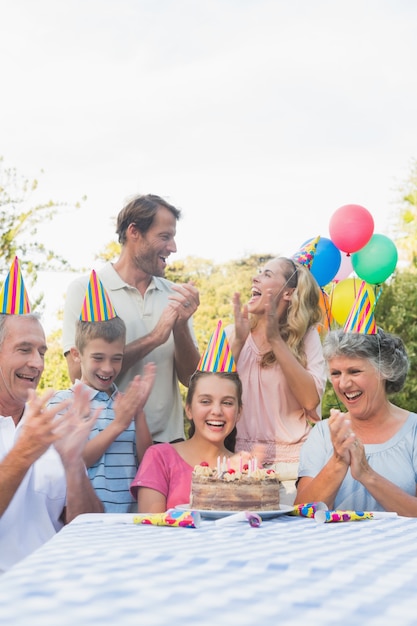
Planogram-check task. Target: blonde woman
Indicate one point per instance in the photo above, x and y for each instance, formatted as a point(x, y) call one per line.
point(278, 353)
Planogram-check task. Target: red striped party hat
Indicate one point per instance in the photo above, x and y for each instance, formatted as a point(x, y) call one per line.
point(218, 357)
point(361, 318)
point(97, 306)
point(13, 296)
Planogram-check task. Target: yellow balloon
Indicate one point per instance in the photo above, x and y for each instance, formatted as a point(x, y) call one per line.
point(343, 296)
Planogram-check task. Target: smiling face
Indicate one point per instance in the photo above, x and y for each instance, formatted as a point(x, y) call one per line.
point(101, 362)
point(214, 407)
point(22, 359)
point(357, 384)
point(154, 247)
point(276, 275)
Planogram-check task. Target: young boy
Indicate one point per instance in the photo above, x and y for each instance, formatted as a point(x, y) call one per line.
point(120, 435)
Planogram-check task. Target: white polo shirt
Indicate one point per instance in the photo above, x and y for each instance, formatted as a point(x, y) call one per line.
point(164, 410)
point(33, 515)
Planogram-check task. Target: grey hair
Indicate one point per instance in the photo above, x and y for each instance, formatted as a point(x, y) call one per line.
point(3, 319)
point(384, 351)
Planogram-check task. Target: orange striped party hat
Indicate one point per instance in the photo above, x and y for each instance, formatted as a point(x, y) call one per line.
point(218, 357)
point(97, 306)
point(361, 318)
point(13, 296)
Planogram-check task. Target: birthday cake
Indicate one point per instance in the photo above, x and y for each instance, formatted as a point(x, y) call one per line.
point(233, 490)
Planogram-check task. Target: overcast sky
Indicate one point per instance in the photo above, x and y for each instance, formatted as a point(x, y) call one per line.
point(257, 118)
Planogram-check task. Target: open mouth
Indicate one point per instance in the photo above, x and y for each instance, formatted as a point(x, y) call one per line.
point(256, 294)
point(352, 395)
point(215, 424)
point(104, 379)
point(31, 379)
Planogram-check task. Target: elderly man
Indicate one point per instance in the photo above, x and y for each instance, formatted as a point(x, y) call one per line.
point(157, 313)
point(43, 480)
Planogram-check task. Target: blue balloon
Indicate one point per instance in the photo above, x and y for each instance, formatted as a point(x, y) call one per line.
point(326, 261)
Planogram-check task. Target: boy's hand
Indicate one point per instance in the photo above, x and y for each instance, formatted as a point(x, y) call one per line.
point(132, 401)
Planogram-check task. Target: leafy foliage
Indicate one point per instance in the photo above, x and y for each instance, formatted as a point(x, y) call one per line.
point(20, 218)
point(216, 285)
point(396, 312)
point(55, 375)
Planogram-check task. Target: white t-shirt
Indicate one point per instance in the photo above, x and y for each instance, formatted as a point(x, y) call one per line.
point(33, 515)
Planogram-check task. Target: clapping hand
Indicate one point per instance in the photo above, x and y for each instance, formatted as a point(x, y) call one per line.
point(242, 324)
point(73, 426)
point(341, 435)
point(185, 300)
point(38, 432)
point(128, 404)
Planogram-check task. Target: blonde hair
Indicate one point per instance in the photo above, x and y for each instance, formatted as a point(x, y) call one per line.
point(303, 310)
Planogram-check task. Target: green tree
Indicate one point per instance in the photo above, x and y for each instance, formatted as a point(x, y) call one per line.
point(396, 312)
point(20, 218)
point(55, 375)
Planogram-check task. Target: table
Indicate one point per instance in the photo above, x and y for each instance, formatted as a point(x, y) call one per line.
point(290, 571)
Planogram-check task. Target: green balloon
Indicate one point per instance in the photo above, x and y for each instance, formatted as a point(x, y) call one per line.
point(376, 261)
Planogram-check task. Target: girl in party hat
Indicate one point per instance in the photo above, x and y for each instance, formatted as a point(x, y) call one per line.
point(213, 406)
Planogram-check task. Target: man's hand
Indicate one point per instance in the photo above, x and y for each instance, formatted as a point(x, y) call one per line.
point(73, 426)
point(38, 431)
point(185, 300)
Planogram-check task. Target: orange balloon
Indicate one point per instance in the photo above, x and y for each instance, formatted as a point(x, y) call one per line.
point(324, 302)
point(343, 295)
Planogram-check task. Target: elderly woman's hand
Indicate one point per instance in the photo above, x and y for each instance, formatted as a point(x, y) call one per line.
point(358, 462)
point(341, 435)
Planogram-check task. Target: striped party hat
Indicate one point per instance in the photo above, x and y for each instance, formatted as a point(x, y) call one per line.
point(305, 256)
point(13, 296)
point(218, 357)
point(97, 306)
point(361, 317)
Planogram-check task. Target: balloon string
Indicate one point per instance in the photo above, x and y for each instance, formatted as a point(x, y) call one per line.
point(377, 295)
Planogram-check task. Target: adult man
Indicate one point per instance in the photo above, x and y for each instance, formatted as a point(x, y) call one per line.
point(43, 480)
point(156, 312)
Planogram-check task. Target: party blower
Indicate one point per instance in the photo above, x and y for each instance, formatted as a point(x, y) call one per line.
point(172, 517)
point(324, 517)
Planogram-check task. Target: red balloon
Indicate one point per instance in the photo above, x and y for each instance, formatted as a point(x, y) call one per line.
point(351, 227)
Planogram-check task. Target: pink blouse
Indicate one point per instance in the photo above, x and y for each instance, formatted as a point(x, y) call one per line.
point(271, 414)
point(164, 470)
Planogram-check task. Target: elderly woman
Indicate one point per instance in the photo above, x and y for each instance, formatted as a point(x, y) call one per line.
point(366, 458)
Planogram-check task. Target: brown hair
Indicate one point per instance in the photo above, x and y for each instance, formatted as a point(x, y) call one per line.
point(141, 211)
point(109, 330)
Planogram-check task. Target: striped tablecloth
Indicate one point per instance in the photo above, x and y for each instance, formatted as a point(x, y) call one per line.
point(290, 570)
